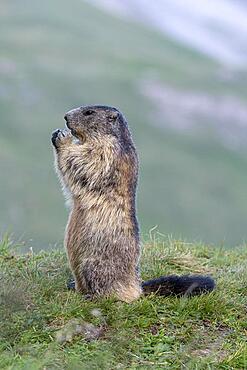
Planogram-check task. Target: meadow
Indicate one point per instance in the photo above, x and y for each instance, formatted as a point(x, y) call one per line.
point(40, 318)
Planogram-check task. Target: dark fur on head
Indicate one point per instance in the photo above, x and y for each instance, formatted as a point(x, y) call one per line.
point(93, 121)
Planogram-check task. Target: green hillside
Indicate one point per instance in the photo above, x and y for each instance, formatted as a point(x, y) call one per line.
point(40, 319)
point(56, 55)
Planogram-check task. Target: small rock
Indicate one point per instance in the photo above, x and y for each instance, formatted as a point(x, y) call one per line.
point(77, 327)
point(96, 312)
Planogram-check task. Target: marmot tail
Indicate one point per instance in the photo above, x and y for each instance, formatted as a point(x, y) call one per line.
point(186, 285)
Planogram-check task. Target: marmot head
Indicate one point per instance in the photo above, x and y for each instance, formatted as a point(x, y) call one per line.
point(95, 121)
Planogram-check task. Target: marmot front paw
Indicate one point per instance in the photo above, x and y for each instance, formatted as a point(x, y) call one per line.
point(59, 137)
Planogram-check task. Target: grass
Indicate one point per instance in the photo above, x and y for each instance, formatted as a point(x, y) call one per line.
point(57, 55)
point(206, 332)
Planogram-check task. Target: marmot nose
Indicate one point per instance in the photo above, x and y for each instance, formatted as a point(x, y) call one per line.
point(66, 117)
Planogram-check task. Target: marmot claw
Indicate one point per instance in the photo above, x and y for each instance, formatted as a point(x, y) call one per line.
point(58, 136)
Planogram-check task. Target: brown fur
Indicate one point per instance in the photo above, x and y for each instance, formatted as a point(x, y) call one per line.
point(98, 171)
point(97, 165)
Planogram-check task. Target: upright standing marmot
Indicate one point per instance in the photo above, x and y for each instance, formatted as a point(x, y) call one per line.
point(97, 164)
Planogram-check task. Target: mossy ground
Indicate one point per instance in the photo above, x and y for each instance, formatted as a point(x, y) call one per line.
point(206, 332)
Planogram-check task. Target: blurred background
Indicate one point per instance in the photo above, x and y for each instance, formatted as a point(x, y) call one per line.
point(177, 70)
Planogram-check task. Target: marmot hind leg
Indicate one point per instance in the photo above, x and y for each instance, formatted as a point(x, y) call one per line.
point(128, 293)
point(124, 293)
point(78, 284)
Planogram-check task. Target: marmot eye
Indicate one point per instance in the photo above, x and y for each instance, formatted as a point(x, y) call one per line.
point(88, 112)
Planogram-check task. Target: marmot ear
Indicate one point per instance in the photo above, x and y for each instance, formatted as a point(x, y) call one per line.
point(113, 116)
